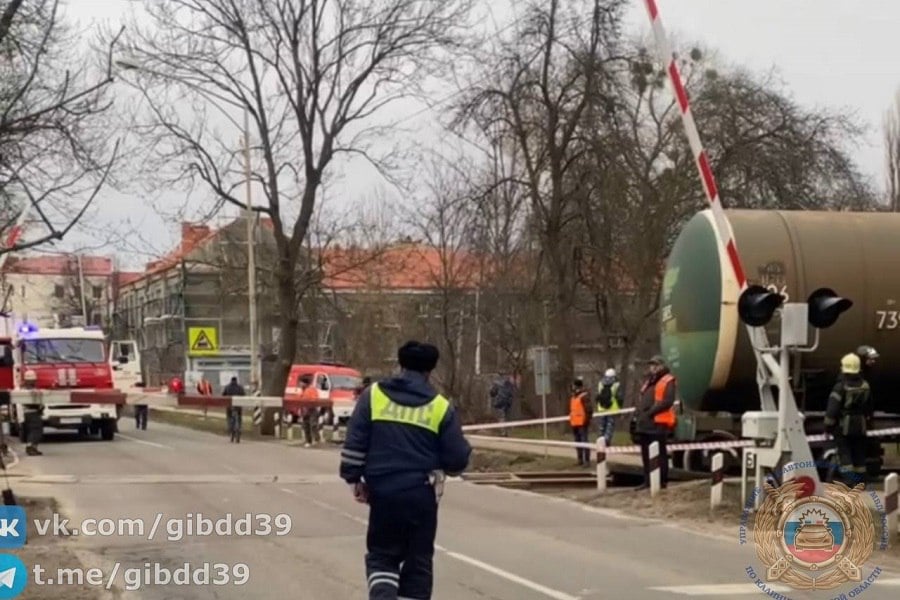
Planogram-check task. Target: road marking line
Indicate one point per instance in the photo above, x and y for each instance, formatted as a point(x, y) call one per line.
point(733, 589)
point(536, 587)
point(145, 442)
point(721, 589)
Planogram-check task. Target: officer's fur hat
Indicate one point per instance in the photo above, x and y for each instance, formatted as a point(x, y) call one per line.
point(415, 356)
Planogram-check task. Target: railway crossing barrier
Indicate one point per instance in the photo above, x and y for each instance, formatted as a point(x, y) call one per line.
point(258, 403)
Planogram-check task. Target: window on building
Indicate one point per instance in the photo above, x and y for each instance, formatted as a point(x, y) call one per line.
point(98, 292)
point(59, 291)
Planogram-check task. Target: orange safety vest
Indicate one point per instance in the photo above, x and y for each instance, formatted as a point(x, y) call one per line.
point(205, 388)
point(577, 414)
point(667, 417)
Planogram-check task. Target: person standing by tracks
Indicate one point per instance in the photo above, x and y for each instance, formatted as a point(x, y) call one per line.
point(235, 413)
point(580, 419)
point(847, 417)
point(654, 417)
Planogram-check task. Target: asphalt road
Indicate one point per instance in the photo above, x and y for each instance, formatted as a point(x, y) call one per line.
point(493, 543)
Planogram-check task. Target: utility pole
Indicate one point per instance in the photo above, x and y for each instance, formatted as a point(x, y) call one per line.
point(477, 332)
point(546, 335)
point(251, 261)
point(81, 289)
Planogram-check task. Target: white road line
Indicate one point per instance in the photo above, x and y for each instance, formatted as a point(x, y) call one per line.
point(533, 586)
point(722, 589)
point(736, 589)
point(145, 442)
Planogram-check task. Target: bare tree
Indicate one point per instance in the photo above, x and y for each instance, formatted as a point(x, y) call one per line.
point(80, 298)
point(312, 76)
point(55, 152)
point(538, 97)
point(443, 219)
point(636, 181)
point(892, 151)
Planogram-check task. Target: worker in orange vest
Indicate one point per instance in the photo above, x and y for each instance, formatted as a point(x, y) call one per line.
point(654, 417)
point(204, 387)
point(580, 418)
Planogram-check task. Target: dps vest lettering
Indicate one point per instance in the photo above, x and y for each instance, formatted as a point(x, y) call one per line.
point(428, 416)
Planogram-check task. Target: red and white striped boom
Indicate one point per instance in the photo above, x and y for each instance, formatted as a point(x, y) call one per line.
point(700, 156)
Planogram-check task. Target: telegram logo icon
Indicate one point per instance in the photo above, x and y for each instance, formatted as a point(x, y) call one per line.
point(13, 576)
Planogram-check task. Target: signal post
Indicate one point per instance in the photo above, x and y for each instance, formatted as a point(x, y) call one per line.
point(777, 429)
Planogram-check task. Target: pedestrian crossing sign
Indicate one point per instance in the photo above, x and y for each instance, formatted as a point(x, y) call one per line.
point(203, 341)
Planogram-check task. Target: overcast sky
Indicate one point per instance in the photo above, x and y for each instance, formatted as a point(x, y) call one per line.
point(828, 52)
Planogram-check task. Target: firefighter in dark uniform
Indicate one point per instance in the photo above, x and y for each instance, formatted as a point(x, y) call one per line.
point(868, 356)
point(401, 433)
point(849, 410)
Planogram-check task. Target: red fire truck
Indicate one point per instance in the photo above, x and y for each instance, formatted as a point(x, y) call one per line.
point(45, 367)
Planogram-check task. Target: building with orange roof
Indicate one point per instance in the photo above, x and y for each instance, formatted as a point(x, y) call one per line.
point(46, 289)
point(359, 304)
point(187, 310)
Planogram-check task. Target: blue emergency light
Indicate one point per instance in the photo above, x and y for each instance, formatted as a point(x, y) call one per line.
point(26, 328)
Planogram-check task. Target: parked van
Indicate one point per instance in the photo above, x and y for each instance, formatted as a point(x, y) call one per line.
point(327, 384)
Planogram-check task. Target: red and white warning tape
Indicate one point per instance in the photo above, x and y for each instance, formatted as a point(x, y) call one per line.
point(633, 449)
point(525, 423)
point(118, 397)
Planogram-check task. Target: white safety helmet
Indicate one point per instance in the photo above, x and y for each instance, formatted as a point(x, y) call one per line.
point(610, 373)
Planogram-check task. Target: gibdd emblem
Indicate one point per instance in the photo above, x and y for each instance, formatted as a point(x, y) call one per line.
point(814, 542)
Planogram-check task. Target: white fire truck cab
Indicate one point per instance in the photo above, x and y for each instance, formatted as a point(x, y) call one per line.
point(55, 362)
point(125, 362)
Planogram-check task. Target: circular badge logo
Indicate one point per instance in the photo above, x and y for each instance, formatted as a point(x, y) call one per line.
point(806, 541)
point(813, 532)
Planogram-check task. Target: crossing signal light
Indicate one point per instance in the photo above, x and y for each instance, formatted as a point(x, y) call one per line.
point(757, 305)
point(825, 306)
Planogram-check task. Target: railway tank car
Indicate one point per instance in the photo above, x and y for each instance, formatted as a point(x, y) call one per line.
point(794, 253)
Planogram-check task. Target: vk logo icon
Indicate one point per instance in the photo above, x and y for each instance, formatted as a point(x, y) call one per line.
point(13, 576)
point(13, 527)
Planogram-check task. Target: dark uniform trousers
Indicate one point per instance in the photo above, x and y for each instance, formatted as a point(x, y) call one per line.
point(400, 544)
point(852, 453)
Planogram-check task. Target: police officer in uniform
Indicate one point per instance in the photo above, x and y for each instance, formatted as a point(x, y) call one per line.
point(849, 409)
point(402, 432)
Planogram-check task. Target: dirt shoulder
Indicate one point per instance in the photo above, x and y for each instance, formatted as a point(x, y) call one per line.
point(683, 504)
point(51, 553)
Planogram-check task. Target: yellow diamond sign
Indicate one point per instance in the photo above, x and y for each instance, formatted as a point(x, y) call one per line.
point(203, 341)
